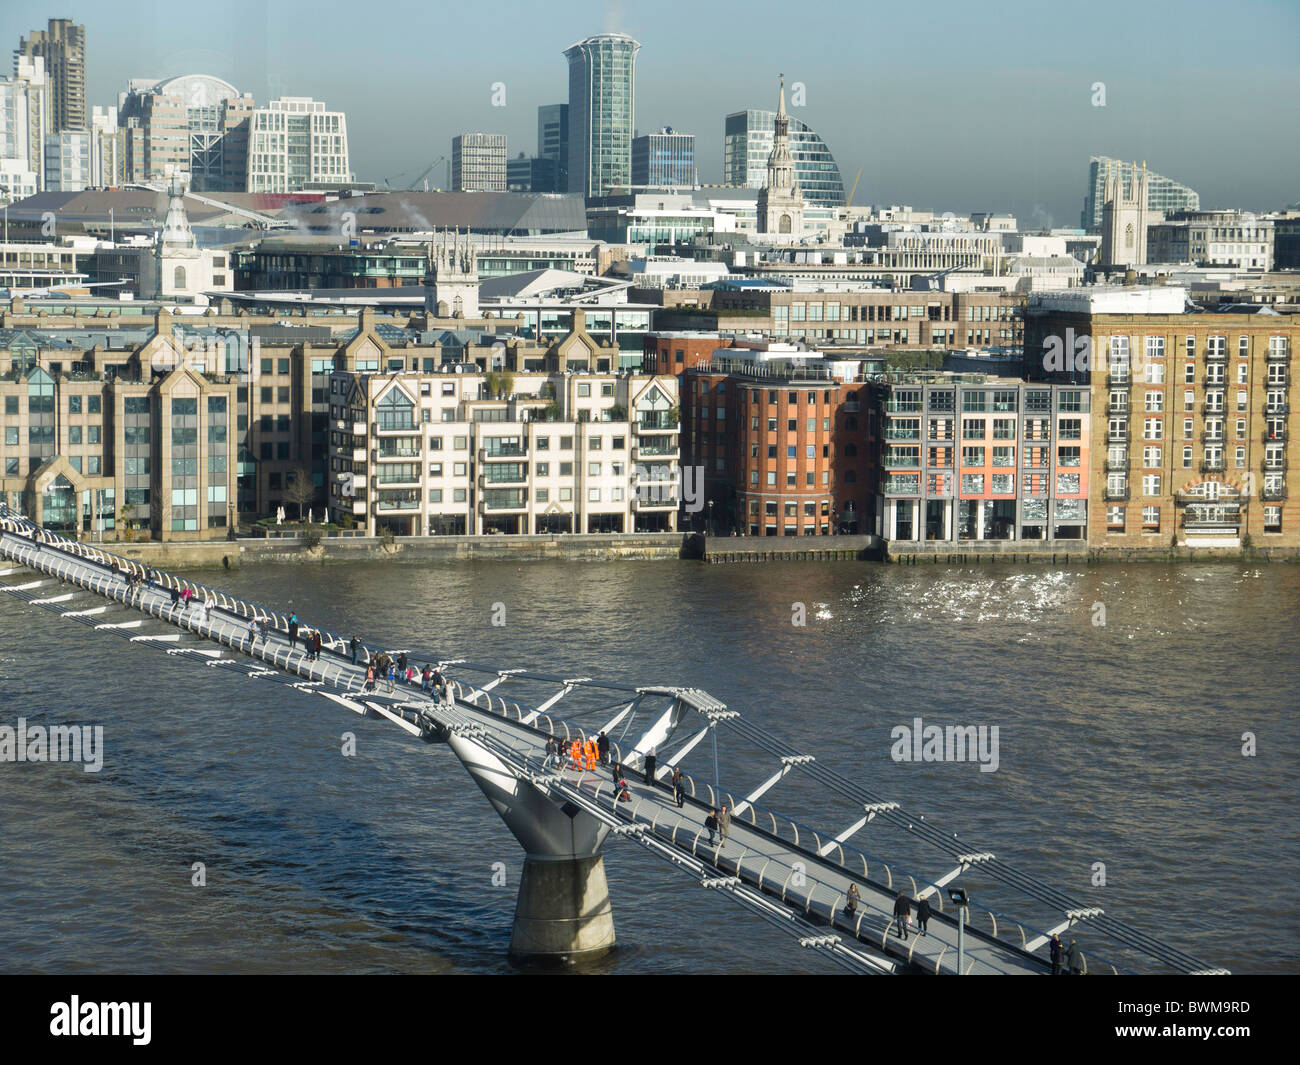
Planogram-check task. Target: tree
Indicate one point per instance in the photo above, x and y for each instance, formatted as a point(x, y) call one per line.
point(300, 489)
point(125, 514)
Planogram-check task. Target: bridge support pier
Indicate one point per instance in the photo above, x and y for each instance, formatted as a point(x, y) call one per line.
point(563, 912)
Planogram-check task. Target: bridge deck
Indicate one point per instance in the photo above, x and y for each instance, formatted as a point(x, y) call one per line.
point(797, 886)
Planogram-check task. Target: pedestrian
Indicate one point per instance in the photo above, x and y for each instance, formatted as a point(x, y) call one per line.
point(1074, 959)
point(679, 787)
point(602, 744)
point(369, 685)
point(176, 596)
point(392, 677)
point(315, 645)
point(650, 763)
point(293, 630)
point(353, 645)
point(440, 684)
point(426, 675)
point(252, 633)
point(711, 823)
point(1058, 954)
point(401, 663)
point(902, 914)
point(922, 914)
point(552, 753)
point(851, 906)
point(575, 755)
point(724, 825)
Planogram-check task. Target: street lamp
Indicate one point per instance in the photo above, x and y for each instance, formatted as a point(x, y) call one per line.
point(708, 528)
point(960, 900)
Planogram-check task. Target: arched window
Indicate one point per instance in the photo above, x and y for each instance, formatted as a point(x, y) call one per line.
point(785, 225)
point(1128, 235)
point(178, 277)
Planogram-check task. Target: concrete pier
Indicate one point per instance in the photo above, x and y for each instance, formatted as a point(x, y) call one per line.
point(563, 912)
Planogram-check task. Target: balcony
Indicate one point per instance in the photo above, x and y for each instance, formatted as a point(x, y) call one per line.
point(1210, 411)
point(1274, 464)
point(1213, 465)
point(1117, 436)
point(1280, 437)
point(904, 462)
point(1283, 356)
point(657, 448)
point(894, 407)
point(1117, 465)
point(1214, 382)
point(390, 425)
point(383, 454)
point(1119, 379)
point(653, 502)
point(513, 480)
point(1273, 493)
point(892, 433)
point(502, 454)
point(1113, 408)
point(656, 422)
point(503, 501)
point(1115, 494)
point(1277, 408)
point(389, 500)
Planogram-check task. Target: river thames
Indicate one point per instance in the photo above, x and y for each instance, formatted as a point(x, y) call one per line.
point(1121, 695)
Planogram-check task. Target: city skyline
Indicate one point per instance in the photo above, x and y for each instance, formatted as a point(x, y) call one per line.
point(938, 130)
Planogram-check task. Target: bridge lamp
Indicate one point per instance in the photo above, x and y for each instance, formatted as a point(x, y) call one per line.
point(961, 901)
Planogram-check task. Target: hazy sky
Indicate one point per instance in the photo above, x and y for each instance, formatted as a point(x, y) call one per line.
point(953, 105)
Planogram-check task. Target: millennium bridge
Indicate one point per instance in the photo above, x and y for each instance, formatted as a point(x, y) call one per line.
point(498, 722)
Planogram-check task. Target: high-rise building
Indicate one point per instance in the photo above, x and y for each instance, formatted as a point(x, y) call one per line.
point(107, 148)
point(69, 162)
point(63, 47)
point(24, 122)
point(531, 174)
point(1163, 194)
point(478, 162)
point(747, 145)
point(664, 158)
point(294, 143)
point(553, 142)
point(601, 112)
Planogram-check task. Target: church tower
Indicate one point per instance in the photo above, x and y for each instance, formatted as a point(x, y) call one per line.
point(1124, 219)
point(780, 203)
point(178, 266)
point(451, 277)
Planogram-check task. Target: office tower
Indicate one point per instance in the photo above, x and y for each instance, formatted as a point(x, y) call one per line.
point(747, 145)
point(553, 143)
point(63, 48)
point(664, 158)
point(601, 112)
point(478, 162)
point(68, 161)
point(294, 143)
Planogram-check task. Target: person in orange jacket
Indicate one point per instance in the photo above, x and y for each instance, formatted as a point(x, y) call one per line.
point(575, 755)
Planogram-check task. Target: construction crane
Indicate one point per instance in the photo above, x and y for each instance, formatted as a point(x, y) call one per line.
point(849, 201)
point(422, 179)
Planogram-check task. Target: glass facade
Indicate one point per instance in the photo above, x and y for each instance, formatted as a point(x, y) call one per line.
point(601, 112)
point(748, 137)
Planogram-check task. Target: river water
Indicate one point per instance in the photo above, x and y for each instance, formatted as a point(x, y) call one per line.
point(1121, 695)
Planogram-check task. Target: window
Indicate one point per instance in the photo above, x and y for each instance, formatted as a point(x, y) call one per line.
point(972, 483)
point(74, 434)
point(593, 469)
point(1151, 457)
point(1155, 401)
point(543, 469)
point(1115, 517)
point(1154, 429)
point(1151, 519)
point(566, 469)
point(593, 495)
point(435, 443)
point(1151, 484)
point(435, 469)
point(584, 390)
point(459, 495)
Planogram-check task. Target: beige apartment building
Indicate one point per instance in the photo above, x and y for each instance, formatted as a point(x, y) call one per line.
point(463, 451)
point(1191, 441)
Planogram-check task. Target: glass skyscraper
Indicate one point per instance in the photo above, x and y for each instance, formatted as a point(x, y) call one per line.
point(601, 111)
point(747, 143)
point(664, 158)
